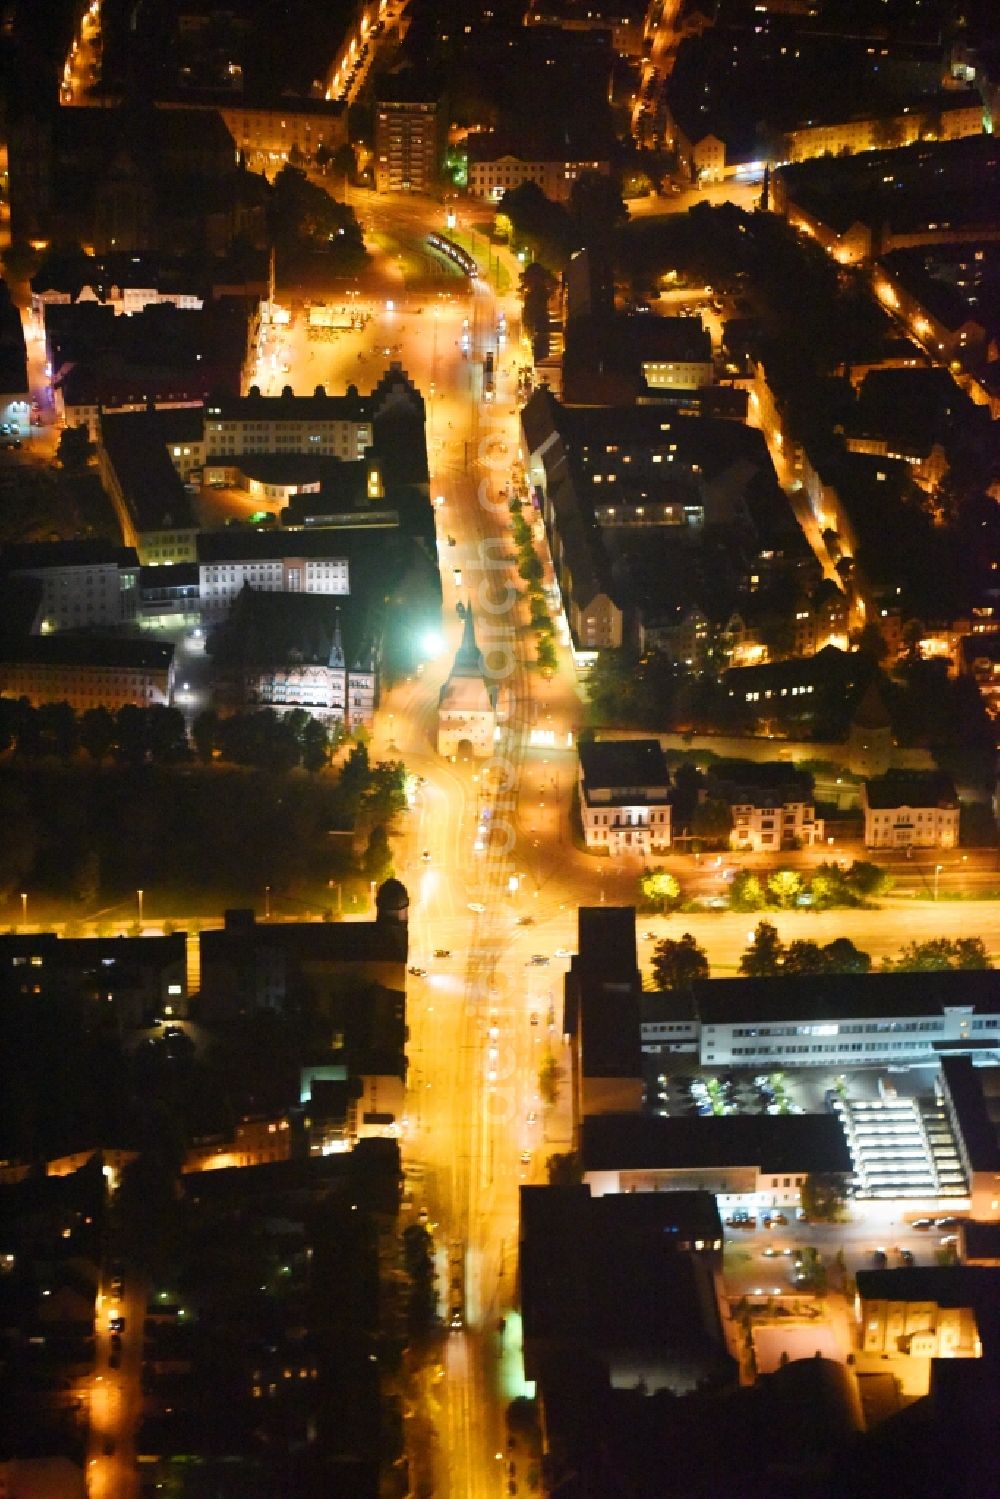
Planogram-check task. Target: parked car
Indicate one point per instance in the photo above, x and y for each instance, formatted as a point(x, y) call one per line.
point(879, 1259)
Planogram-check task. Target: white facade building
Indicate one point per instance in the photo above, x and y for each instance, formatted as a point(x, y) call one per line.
point(911, 810)
point(847, 1020)
point(330, 426)
point(624, 796)
point(220, 579)
point(491, 178)
point(767, 823)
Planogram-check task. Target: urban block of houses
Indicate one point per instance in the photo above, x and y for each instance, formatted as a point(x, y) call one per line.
point(145, 457)
point(912, 416)
point(946, 296)
point(350, 975)
point(830, 1021)
point(620, 357)
point(624, 789)
point(130, 180)
point(616, 483)
point(741, 96)
point(882, 201)
point(911, 809)
point(161, 355)
point(847, 1020)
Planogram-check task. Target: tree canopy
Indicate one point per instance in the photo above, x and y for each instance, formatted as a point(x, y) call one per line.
point(677, 962)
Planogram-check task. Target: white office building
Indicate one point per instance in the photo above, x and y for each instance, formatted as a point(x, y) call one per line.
point(847, 1020)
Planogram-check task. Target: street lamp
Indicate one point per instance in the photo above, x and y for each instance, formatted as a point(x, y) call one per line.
point(267, 902)
point(140, 894)
point(937, 872)
point(24, 908)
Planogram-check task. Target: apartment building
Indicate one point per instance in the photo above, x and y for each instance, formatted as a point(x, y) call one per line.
point(85, 584)
point(407, 145)
point(911, 809)
point(88, 672)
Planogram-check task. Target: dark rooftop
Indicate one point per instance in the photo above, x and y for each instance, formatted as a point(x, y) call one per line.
point(974, 1095)
point(911, 788)
point(980, 1240)
point(775, 1143)
point(309, 941)
point(948, 1285)
point(845, 996)
point(89, 552)
point(606, 950)
point(238, 543)
point(113, 652)
point(136, 448)
point(623, 764)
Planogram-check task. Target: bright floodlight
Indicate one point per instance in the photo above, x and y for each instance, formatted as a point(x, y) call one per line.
point(431, 644)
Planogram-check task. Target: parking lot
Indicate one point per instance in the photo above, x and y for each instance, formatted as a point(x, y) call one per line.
point(676, 1086)
point(677, 1094)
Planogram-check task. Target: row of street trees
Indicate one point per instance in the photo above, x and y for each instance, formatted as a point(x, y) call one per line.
point(678, 962)
point(828, 887)
point(529, 568)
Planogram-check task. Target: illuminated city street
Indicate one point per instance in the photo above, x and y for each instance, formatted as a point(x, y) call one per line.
point(381, 838)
